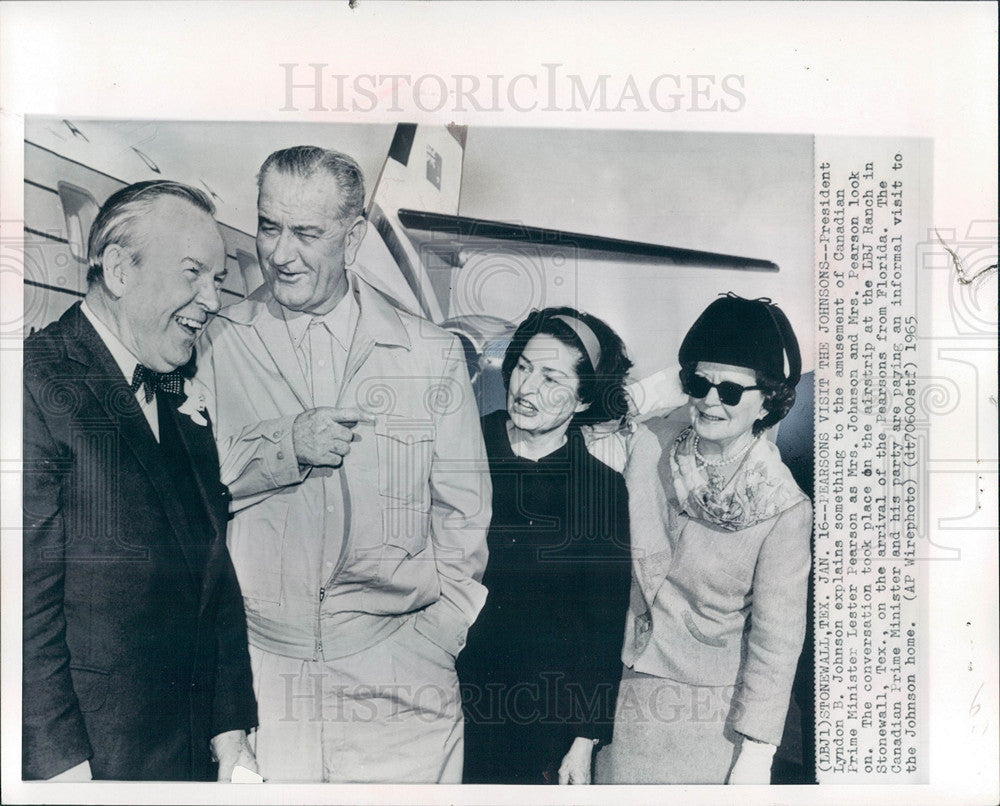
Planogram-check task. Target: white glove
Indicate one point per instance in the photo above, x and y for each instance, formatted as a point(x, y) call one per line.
point(81, 772)
point(753, 765)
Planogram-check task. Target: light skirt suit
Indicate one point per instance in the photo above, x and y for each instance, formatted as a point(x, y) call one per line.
point(717, 610)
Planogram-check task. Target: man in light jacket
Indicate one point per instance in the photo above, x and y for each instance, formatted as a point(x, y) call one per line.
point(349, 437)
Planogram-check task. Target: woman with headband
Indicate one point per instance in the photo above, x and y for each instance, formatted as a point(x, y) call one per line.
point(541, 669)
point(721, 539)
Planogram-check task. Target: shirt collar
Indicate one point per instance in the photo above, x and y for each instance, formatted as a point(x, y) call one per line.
point(126, 361)
point(340, 321)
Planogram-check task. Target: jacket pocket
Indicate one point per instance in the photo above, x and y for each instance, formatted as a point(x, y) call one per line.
point(698, 634)
point(405, 451)
point(436, 646)
point(256, 543)
point(406, 528)
point(91, 687)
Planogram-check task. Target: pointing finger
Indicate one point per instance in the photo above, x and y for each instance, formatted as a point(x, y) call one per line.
point(351, 416)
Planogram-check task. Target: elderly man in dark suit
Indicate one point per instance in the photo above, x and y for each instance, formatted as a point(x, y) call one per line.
point(135, 652)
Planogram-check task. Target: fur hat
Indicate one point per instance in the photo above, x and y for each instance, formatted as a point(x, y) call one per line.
point(751, 333)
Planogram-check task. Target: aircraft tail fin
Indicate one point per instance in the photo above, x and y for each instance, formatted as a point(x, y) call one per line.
point(423, 171)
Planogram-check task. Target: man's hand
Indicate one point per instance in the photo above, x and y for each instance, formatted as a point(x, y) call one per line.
point(753, 765)
point(575, 767)
point(323, 436)
point(232, 748)
point(81, 772)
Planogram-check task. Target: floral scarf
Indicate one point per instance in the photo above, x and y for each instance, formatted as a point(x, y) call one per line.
point(761, 488)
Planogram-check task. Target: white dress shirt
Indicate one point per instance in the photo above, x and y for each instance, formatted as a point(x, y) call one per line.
point(127, 362)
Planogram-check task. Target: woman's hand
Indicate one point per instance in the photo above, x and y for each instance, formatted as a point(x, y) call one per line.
point(753, 765)
point(575, 767)
point(232, 749)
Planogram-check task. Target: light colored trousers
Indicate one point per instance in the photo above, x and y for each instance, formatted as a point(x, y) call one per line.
point(389, 714)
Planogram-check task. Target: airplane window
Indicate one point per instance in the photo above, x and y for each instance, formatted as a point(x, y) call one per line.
point(80, 209)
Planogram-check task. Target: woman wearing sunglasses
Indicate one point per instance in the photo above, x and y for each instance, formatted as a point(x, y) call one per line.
point(721, 539)
point(541, 668)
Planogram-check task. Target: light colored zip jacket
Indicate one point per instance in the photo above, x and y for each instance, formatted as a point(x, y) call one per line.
point(415, 487)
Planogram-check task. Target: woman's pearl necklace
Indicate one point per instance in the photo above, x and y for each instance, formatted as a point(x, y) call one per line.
point(724, 460)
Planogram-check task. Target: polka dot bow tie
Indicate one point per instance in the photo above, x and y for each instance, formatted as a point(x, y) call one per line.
point(170, 382)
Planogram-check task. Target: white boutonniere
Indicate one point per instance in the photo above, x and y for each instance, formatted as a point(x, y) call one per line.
point(194, 405)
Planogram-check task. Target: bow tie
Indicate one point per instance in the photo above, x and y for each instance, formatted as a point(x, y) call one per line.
point(170, 382)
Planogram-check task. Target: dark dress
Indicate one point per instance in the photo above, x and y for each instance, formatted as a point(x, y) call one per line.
point(543, 660)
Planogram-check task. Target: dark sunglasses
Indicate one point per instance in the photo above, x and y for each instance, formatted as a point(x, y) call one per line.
point(729, 393)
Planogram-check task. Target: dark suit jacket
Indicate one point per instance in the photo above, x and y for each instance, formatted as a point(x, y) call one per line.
point(135, 650)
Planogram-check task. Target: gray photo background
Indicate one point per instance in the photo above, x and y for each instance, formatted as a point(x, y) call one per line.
point(740, 194)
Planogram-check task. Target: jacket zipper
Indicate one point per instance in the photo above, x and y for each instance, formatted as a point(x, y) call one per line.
point(351, 370)
point(319, 625)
